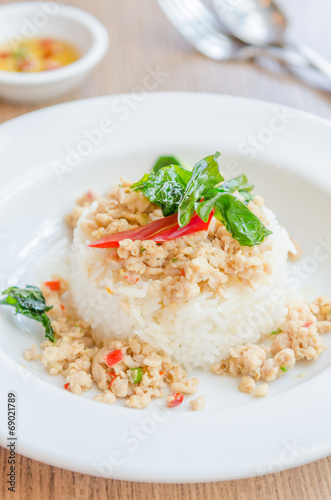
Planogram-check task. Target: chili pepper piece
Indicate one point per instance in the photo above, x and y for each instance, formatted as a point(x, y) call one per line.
point(54, 286)
point(114, 377)
point(161, 230)
point(114, 357)
point(175, 399)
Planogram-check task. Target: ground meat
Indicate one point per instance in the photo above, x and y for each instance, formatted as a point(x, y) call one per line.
point(274, 367)
point(62, 352)
point(138, 402)
point(190, 386)
point(282, 341)
point(321, 308)
point(323, 326)
point(105, 397)
point(75, 355)
point(79, 381)
point(299, 333)
point(99, 369)
point(297, 338)
point(247, 385)
point(120, 387)
point(198, 404)
point(31, 354)
point(205, 260)
point(72, 218)
point(261, 391)
point(245, 359)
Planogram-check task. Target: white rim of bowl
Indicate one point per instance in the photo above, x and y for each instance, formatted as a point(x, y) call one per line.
point(93, 56)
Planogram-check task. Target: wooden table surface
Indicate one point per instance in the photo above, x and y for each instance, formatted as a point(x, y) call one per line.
point(141, 37)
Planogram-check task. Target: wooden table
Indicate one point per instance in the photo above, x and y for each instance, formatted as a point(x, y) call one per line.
point(141, 37)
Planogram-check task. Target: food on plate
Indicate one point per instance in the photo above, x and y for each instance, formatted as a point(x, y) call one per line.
point(198, 404)
point(37, 54)
point(30, 302)
point(179, 270)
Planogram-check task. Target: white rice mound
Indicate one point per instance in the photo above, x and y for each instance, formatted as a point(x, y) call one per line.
point(196, 332)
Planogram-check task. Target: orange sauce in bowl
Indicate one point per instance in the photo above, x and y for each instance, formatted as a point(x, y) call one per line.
point(38, 54)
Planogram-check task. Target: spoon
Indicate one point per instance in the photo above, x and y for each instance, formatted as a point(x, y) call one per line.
point(261, 23)
point(198, 24)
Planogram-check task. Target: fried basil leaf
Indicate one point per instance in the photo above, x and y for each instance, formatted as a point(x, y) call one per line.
point(165, 187)
point(239, 184)
point(165, 161)
point(30, 302)
point(175, 189)
point(205, 176)
point(240, 221)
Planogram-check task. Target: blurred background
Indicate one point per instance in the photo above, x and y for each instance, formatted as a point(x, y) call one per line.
point(140, 36)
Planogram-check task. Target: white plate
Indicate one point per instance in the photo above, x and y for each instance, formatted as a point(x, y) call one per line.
point(236, 435)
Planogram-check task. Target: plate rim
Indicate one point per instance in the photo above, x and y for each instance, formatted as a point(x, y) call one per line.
point(320, 452)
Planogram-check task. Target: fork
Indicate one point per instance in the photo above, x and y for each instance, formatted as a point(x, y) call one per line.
point(200, 28)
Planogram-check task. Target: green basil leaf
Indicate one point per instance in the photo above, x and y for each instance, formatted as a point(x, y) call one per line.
point(31, 297)
point(165, 161)
point(205, 176)
point(239, 184)
point(165, 187)
point(49, 332)
point(204, 208)
point(240, 221)
point(139, 185)
point(30, 302)
point(175, 189)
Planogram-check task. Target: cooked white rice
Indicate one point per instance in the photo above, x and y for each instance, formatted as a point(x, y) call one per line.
point(196, 332)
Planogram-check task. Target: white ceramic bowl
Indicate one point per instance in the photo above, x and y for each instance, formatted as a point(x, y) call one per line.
point(50, 19)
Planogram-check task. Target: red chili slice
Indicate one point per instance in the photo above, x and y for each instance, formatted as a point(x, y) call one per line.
point(308, 324)
point(55, 286)
point(175, 399)
point(160, 231)
point(66, 386)
point(114, 357)
point(113, 378)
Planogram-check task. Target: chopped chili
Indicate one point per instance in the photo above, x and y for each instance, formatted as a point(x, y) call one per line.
point(114, 357)
point(113, 378)
point(159, 231)
point(175, 399)
point(55, 286)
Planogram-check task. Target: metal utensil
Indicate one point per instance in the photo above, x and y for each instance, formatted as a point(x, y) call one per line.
point(262, 23)
point(200, 27)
